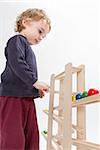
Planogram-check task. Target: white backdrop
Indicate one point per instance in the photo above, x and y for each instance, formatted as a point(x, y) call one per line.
point(74, 38)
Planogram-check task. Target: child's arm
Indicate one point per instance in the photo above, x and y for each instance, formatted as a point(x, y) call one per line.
point(41, 86)
point(16, 58)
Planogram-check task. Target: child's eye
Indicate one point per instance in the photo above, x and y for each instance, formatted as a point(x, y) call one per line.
point(40, 31)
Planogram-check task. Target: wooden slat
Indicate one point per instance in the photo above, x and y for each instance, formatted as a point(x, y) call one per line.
point(55, 117)
point(60, 119)
point(83, 101)
point(78, 129)
point(58, 92)
point(54, 139)
point(62, 74)
point(87, 100)
point(57, 141)
point(87, 145)
point(76, 69)
point(45, 137)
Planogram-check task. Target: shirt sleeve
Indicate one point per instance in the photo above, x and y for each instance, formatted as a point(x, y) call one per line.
point(16, 59)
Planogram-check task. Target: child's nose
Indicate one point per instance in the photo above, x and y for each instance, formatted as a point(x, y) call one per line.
point(41, 37)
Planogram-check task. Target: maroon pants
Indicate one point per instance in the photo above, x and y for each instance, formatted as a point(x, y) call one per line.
point(18, 124)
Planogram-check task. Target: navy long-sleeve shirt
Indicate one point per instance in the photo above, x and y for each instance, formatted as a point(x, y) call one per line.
point(21, 69)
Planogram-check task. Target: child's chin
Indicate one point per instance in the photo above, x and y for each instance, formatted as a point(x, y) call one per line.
point(34, 43)
point(37, 43)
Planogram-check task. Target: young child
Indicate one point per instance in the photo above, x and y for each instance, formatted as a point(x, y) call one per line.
point(20, 85)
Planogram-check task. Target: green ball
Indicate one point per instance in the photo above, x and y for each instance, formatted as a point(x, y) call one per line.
point(45, 132)
point(84, 94)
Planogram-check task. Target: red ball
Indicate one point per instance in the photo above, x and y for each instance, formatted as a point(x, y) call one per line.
point(97, 91)
point(92, 92)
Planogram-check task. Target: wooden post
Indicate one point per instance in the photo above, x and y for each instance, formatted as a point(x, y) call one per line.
point(50, 117)
point(81, 110)
point(67, 108)
point(60, 112)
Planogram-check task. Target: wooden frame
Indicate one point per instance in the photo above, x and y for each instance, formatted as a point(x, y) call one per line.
point(63, 140)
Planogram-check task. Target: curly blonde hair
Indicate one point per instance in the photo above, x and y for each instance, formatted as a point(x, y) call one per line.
point(32, 15)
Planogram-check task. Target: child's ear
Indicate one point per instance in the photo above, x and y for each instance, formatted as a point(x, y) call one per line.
point(25, 22)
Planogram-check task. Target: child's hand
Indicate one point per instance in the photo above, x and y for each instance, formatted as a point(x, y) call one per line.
point(41, 86)
point(41, 93)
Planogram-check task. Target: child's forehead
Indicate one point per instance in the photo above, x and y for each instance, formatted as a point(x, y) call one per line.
point(42, 24)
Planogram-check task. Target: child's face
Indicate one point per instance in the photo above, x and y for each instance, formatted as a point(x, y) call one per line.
point(35, 31)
